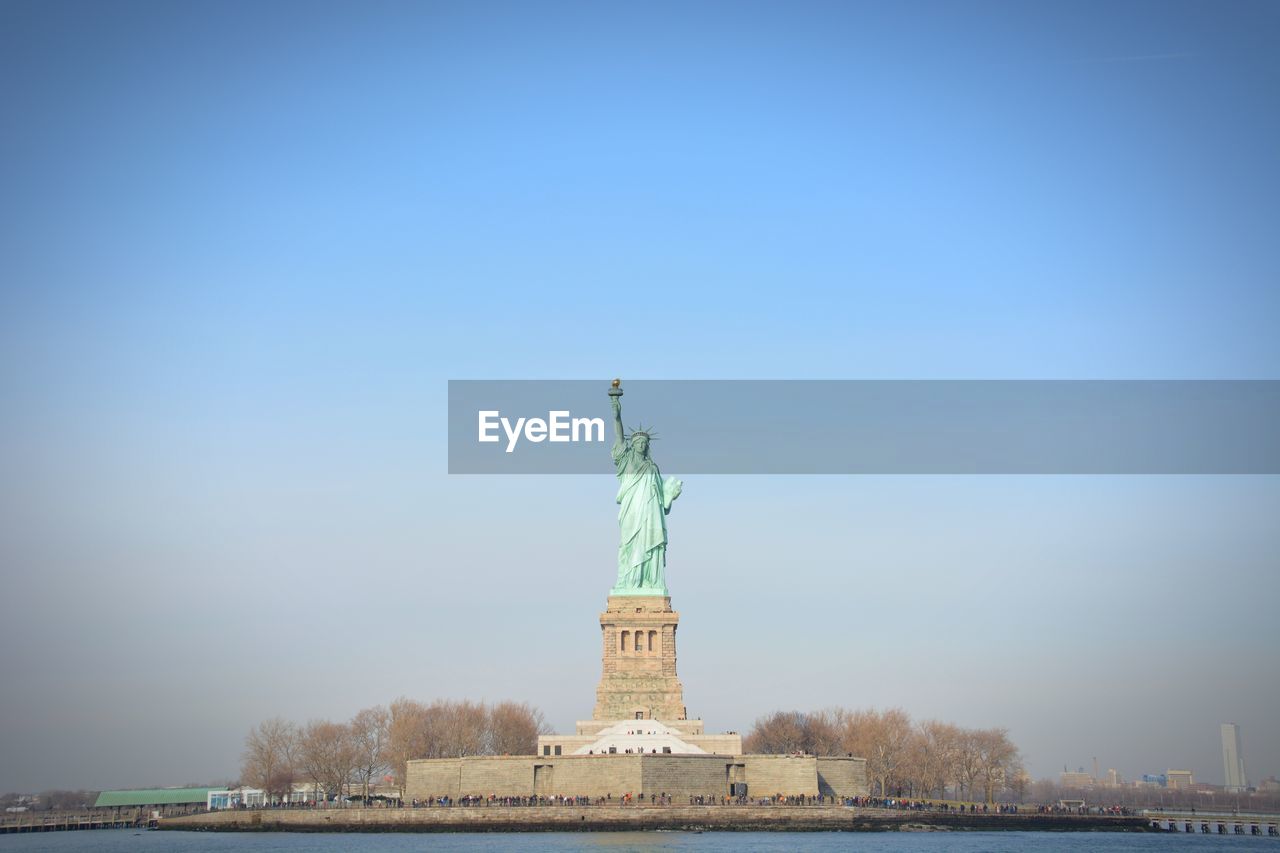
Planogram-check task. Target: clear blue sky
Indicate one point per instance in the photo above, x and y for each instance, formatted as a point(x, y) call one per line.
point(242, 247)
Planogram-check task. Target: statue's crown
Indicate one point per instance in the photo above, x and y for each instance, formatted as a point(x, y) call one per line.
point(649, 433)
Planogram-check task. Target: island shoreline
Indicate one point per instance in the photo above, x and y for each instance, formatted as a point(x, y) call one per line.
point(643, 818)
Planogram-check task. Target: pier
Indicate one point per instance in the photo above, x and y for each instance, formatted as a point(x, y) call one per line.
point(66, 821)
point(1201, 823)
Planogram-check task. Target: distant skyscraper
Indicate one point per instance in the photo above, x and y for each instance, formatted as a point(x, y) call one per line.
point(1232, 760)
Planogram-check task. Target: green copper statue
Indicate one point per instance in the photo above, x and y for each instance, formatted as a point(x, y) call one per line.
point(644, 499)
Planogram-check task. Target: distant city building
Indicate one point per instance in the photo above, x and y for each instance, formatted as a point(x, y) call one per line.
point(1179, 780)
point(1114, 780)
point(1270, 785)
point(1155, 779)
point(1232, 759)
point(1076, 779)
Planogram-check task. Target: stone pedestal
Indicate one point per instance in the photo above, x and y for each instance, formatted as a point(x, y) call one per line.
point(639, 680)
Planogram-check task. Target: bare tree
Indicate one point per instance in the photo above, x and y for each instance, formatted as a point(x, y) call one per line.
point(328, 755)
point(59, 800)
point(902, 758)
point(932, 753)
point(968, 763)
point(883, 738)
point(379, 739)
point(270, 757)
point(406, 736)
point(822, 734)
point(1018, 782)
point(997, 758)
point(370, 736)
point(447, 729)
point(463, 728)
point(514, 728)
point(779, 733)
point(1045, 791)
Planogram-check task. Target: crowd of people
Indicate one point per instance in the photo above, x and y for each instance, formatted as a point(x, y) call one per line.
point(664, 799)
point(1059, 808)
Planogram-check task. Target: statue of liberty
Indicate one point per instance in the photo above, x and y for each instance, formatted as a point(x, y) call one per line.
point(644, 499)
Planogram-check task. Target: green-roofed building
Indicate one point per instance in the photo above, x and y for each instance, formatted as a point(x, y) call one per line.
point(164, 800)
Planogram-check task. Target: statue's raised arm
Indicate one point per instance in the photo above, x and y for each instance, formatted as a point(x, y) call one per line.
point(619, 434)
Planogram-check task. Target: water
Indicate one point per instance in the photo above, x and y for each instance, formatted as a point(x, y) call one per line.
point(127, 840)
